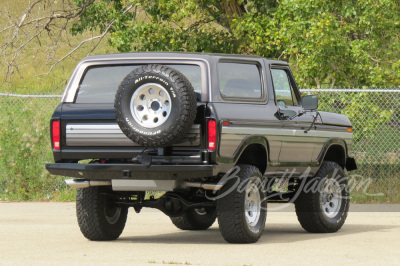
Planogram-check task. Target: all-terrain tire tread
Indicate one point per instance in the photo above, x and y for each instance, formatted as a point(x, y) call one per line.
point(230, 211)
point(89, 214)
point(308, 206)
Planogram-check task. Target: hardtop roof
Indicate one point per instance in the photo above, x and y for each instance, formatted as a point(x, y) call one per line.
point(173, 55)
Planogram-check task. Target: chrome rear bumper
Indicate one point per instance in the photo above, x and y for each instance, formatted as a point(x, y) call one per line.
point(141, 185)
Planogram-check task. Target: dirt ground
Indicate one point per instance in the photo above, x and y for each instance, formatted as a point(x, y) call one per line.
point(48, 234)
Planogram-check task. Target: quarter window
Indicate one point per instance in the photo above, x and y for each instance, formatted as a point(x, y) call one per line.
point(238, 80)
point(284, 92)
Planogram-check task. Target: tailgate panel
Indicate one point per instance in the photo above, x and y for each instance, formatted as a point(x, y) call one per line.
point(110, 135)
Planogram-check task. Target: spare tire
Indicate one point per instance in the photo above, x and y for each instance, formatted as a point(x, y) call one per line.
point(155, 106)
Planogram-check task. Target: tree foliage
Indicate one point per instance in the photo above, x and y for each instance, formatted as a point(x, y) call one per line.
point(350, 43)
point(328, 43)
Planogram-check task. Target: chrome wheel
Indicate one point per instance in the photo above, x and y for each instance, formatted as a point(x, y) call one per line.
point(252, 205)
point(330, 198)
point(150, 105)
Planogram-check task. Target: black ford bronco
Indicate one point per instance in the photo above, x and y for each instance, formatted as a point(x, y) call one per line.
point(221, 135)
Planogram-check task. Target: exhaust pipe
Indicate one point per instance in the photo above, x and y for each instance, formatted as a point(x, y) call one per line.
point(80, 183)
point(206, 186)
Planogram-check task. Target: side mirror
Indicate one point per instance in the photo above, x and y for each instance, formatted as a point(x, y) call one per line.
point(310, 102)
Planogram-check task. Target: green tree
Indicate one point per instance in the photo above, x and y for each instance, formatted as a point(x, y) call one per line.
point(348, 43)
point(328, 43)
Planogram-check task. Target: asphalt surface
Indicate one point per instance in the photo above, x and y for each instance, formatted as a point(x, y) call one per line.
point(48, 234)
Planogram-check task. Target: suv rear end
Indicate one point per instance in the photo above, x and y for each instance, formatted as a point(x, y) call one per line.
point(219, 134)
point(84, 126)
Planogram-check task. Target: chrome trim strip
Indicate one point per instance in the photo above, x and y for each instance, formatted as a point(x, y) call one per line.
point(282, 131)
point(251, 130)
point(110, 135)
point(347, 90)
point(333, 134)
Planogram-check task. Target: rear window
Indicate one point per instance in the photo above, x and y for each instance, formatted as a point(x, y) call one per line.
point(100, 83)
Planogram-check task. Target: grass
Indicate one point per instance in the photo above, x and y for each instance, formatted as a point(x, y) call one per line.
point(374, 185)
point(25, 148)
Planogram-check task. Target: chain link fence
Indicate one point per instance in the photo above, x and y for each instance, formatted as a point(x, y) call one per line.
point(25, 148)
point(375, 115)
point(25, 144)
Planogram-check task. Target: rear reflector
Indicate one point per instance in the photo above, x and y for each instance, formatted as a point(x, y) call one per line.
point(212, 134)
point(56, 134)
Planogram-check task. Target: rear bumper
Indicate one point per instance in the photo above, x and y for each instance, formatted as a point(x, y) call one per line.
point(130, 171)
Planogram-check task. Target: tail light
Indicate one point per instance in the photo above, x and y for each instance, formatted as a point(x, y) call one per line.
point(55, 134)
point(212, 134)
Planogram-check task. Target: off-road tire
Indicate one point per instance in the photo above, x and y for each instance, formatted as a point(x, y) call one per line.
point(180, 118)
point(92, 206)
point(196, 219)
point(308, 206)
point(232, 220)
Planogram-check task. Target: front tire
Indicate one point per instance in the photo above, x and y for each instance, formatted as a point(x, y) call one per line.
point(323, 204)
point(242, 212)
point(196, 219)
point(99, 218)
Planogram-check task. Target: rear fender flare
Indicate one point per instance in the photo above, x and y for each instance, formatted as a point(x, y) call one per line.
point(246, 142)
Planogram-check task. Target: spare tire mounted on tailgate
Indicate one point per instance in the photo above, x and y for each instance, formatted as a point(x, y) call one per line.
point(155, 106)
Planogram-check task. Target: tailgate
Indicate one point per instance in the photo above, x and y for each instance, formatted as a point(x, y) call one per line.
point(89, 131)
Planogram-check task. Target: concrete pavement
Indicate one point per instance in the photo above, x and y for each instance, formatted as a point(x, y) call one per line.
point(48, 234)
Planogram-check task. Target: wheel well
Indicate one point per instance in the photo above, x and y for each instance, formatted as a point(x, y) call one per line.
point(336, 154)
point(254, 154)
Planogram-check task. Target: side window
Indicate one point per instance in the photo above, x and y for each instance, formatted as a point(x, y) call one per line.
point(283, 90)
point(239, 80)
